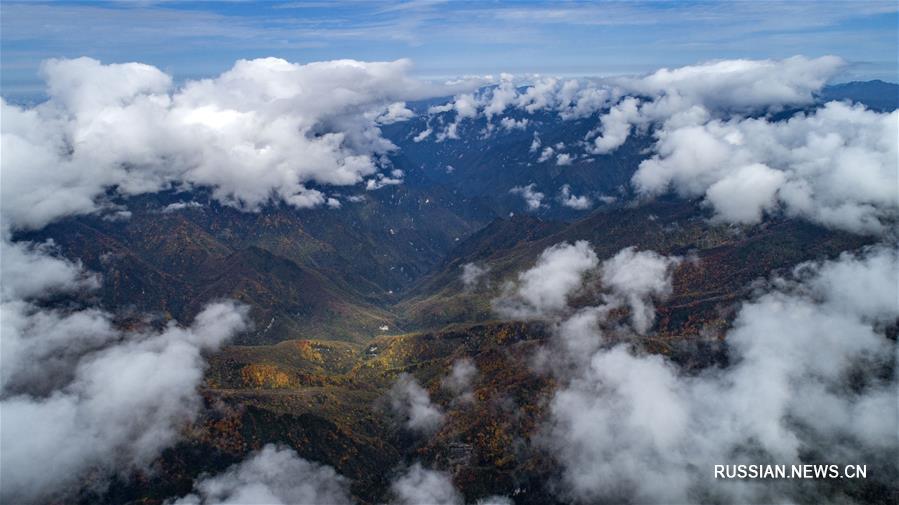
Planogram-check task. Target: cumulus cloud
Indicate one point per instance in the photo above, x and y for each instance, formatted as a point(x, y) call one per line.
point(695, 94)
point(512, 124)
point(745, 194)
point(570, 99)
point(717, 87)
point(419, 485)
point(631, 279)
point(81, 397)
point(460, 380)
point(122, 398)
point(395, 113)
point(616, 126)
point(739, 85)
point(472, 274)
point(381, 180)
point(173, 207)
point(33, 270)
point(532, 197)
point(545, 154)
point(412, 403)
point(835, 166)
point(262, 130)
point(272, 476)
point(544, 289)
point(568, 199)
point(422, 135)
point(636, 277)
point(563, 159)
point(582, 332)
point(716, 139)
point(807, 376)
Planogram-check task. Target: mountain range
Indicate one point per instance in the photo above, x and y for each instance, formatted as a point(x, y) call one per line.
point(403, 278)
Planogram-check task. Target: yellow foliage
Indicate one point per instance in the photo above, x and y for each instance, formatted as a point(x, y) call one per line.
point(263, 375)
point(308, 351)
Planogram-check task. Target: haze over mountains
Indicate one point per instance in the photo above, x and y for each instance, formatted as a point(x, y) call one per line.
point(504, 291)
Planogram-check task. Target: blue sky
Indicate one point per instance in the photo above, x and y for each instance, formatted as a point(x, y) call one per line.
point(445, 39)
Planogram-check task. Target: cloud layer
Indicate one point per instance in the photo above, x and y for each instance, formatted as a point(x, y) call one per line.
point(811, 379)
point(835, 166)
point(544, 289)
point(272, 476)
point(262, 130)
point(412, 404)
point(79, 395)
point(126, 396)
point(717, 137)
point(419, 485)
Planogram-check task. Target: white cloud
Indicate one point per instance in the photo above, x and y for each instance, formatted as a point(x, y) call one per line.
point(80, 396)
point(716, 87)
point(742, 196)
point(413, 404)
point(273, 476)
point(466, 106)
point(570, 200)
point(616, 126)
point(582, 333)
point(422, 135)
point(636, 276)
point(110, 399)
point(544, 289)
point(172, 207)
point(32, 270)
point(694, 94)
point(563, 159)
point(835, 166)
point(460, 380)
point(738, 85)
point(501, 97)
point(546, 154)
point(511, 124)
point(630, 278)
point(395, 113)
point(261, 130)
point(571, 99)
point(535, 143)
point(381, 180)
point(532, 197)
point(419, 485)
point(785, 394)
point(472, 274)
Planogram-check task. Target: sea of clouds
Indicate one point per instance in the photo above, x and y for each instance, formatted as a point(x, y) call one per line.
point(811, 368)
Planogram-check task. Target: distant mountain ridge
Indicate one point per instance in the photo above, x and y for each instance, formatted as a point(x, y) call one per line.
point(386, 258)
point(876, 95)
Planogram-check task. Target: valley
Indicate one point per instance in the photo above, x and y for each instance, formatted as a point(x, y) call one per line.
point(348, 299)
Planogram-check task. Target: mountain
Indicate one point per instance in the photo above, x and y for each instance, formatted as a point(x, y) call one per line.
point(486, 164)
point(326, 398)
point(876, 95)
point(731, 258)
point(346, 300)
point(390, 257)
point(314, 273)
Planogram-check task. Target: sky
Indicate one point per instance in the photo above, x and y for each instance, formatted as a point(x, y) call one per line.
point(444, 39)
